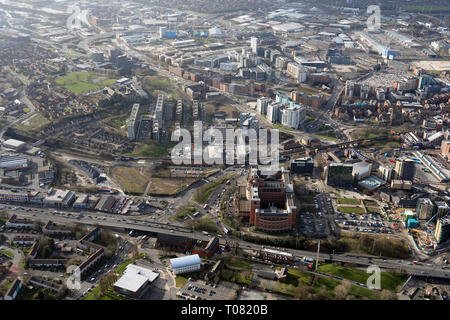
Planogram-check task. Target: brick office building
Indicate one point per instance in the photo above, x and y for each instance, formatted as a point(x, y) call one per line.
point(268, 200)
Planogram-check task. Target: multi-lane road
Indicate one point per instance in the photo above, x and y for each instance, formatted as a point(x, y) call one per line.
point(122, 222)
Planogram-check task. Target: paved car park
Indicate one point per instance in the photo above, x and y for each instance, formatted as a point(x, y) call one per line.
point(199, 290)
point(316, 224)
point(363, 223)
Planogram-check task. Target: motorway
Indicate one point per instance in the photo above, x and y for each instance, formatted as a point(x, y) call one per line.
point(108, 221)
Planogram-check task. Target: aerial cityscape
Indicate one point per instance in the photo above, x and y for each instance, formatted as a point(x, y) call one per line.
point(240, 150)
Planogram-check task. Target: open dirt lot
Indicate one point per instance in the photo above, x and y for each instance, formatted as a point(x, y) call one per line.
point(433, 65)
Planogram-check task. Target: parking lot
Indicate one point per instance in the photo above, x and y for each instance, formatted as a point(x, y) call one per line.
point(363, 223)
point(316, 224)
point(199, 290)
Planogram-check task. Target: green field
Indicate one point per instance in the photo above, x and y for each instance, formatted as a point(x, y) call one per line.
point(131, 179)
point(237, 262)
point(3, 220)
point(389, 281)
point(78, 82)
point(34, 124)
point(110, 295)
point(370, 203)
point(379, 144)
point(118, 122)
point(349, 201)
point(181, 279)
point(151, 150)
point(154, 85)
point(327, 135)
point(306, 90)
point(121, 267)
point(7, 253)
point(426, 8)
point(181, 215)
point(206, 224)
point(323, 287)
point(385, 246)
point(373, 210)
point(241, 277)
point(357, 210)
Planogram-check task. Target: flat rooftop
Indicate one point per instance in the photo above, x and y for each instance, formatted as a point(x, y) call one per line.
point(135, 277)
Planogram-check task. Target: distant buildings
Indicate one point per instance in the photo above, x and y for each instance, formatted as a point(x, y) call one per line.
point(52, 229)
point(445, 149)
point(302, 166)
point(262, 104)
point(401, 184)
point(315, 101)
point(206, 249)
point(273, 111)
point(133, 121)
point(254, 45)
point(59, 198)
point(339, 175)
point(13, 290)
point(297, 71)
point(442, 231)
point(425, 209)
point(14, 144)
point(442, 209)
point(385, 172)
point(17, 223)
point(275, 256)
point(404, 169)
point(292, 116)
point(283, 111)
point(162, 32)
point(361, 170)
point(14, 162)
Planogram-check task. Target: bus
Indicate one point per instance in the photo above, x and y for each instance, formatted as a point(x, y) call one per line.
point(225, 230)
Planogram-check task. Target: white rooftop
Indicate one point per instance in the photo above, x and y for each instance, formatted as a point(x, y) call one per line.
point(135, 277)
point(14, 143)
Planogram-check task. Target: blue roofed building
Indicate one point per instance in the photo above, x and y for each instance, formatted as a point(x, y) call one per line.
point(186, 264)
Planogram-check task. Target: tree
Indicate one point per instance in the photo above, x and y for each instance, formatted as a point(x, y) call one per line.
point(106, 283)
point(135, 251)
point(303, 292)
point(387, 295)
point(37, 226)
point(322, 295)
point(341, 291)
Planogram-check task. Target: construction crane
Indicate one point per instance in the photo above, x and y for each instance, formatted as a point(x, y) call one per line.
point(428, 222)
